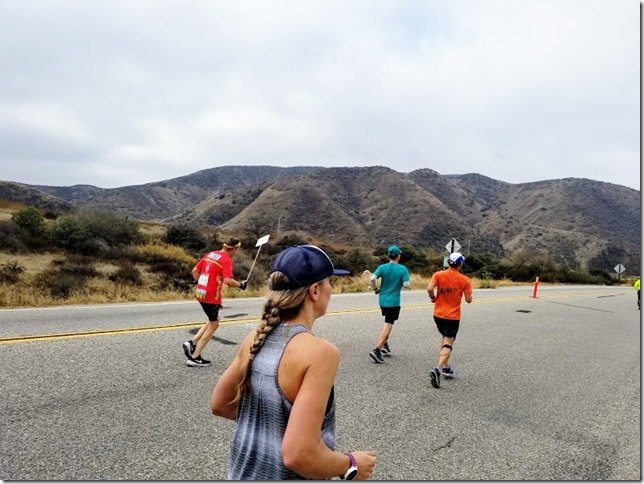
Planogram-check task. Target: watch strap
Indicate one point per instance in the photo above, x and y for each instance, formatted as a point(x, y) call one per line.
point(352, 471)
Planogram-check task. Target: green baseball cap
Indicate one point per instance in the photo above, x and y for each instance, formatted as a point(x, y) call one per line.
point(394, 250)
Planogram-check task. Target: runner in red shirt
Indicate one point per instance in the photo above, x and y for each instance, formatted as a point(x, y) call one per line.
point(446, 289)
point(212, 272)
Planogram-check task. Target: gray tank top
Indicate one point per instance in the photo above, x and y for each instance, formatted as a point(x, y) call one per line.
point(263, 413)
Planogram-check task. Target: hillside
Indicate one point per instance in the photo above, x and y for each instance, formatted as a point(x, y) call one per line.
point(577, 221)
point(30, 195)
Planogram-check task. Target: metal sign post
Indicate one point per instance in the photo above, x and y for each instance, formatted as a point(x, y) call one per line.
point(452, 246)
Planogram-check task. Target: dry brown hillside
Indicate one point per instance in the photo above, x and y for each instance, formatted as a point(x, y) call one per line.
point(579, 222)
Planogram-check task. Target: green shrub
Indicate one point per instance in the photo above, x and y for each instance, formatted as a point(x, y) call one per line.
point(114, 229)
point(289, 239)
point(94, 232)
point(70, 233)
point(30, 220)
point(356, 261)
point(186, 237)
point(415, 260)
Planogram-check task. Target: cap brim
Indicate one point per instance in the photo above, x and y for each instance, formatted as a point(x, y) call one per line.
point(340, 272)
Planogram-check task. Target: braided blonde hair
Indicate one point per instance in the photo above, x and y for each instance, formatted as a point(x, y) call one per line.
point(280, 305)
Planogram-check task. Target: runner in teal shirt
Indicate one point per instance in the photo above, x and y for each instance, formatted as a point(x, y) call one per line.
point(393, 277)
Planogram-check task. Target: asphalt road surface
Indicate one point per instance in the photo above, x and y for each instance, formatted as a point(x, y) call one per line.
point(545, 389)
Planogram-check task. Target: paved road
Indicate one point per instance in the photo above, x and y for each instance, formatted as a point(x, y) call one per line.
point(546, 389)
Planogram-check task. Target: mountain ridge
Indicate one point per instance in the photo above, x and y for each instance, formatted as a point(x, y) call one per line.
point(577, 221)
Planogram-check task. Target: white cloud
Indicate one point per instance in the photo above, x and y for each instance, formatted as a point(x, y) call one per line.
point(148, 90)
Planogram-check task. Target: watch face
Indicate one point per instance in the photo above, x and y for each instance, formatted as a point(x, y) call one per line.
point(352, 473)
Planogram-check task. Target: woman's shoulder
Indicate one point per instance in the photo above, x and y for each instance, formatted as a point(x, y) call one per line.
point(314, 346)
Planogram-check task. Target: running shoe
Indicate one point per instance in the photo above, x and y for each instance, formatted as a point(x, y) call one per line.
point(376, 355)
point(448, 372)
point(435, 377)
point(198, 361)
point(385, 350)
point(188, 348)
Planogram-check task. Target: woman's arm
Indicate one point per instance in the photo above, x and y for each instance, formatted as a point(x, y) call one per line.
point(302, 447)
point(226, 388)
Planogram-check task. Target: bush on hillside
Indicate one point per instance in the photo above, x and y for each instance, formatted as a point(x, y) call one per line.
point(485, 266)
point(63, 278)
point(94, 232)
point(289, 239)
point(128, 273)
point(69, 233)
point(186, 237)
point(30, 220)
point(356, 261)
point(216, 241)
point(114, 229)
point(12, 237)
point(415, 260)
point(10, 272)
point(173, 275)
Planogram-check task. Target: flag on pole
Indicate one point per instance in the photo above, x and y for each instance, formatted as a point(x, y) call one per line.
point(262, 240)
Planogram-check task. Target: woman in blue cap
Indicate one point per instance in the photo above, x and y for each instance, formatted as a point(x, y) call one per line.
point(279, 388)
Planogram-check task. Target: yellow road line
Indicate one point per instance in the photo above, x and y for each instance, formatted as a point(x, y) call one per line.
point(145, 329)
point(107, 332)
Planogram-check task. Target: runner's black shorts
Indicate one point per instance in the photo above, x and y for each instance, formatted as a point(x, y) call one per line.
point(211, 310)
point(447, 327)
point(390, 314)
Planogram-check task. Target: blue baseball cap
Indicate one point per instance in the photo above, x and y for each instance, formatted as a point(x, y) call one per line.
point(304, 265)
point(394, 250)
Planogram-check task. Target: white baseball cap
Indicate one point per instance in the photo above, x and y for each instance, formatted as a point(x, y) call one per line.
point(455, 259)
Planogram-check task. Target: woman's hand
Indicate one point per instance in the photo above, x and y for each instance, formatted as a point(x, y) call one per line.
point(365, 461)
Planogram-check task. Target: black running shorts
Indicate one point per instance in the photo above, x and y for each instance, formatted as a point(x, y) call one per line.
point(211, 310)
point(447, 327)
point(390, 314)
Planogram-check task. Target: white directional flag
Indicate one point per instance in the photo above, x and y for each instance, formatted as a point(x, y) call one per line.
point(262, 240)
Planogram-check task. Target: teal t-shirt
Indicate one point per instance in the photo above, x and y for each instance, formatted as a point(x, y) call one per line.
point(392, 275)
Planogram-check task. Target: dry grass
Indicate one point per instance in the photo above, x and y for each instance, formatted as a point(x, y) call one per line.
point(160, 251)
point(101, 290)
point(33, 263)
point(152, 230)
point(97, 291)
point(361, 283)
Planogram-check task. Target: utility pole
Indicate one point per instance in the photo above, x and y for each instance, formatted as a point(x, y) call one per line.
point(279, 220)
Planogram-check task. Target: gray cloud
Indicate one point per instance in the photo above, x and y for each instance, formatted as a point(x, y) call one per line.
point(115, 93)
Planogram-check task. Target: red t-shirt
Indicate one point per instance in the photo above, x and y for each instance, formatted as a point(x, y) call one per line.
point(450, 287)
point(213, 268)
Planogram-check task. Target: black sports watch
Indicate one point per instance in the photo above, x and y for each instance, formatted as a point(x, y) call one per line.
point(352, 471)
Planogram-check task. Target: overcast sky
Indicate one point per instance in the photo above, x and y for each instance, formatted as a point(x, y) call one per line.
point(113, 93)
